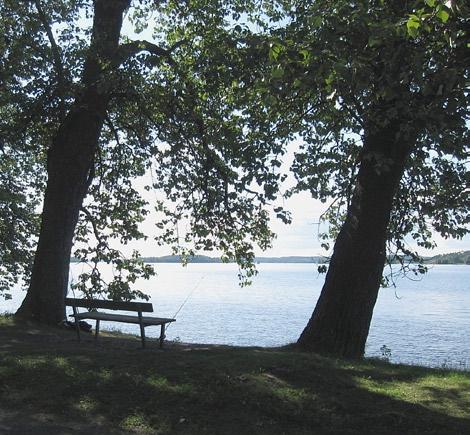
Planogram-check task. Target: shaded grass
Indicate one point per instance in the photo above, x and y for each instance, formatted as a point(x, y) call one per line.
point(51, 382)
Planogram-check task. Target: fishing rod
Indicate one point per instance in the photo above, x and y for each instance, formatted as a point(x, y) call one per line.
point(186, 299)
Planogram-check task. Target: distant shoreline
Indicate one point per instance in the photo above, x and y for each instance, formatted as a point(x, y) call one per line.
point(207, 259)
point(456, 258)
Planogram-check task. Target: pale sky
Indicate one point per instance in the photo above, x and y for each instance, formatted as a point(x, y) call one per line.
point(299, 238)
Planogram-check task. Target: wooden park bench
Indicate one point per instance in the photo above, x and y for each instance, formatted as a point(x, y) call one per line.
point(140, 307)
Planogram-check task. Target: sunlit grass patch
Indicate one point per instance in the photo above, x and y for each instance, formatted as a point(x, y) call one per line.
point(31, 361)
point(85, 403)
point(443, 391)
point(161, 384)
point(137, 422)
point(278, 388)
point(6, 319)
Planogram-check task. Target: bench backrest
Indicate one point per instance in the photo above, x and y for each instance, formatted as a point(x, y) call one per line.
point(144, 307)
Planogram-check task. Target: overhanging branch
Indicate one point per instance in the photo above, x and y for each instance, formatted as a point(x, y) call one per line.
point(132, 48)
point(56, 56)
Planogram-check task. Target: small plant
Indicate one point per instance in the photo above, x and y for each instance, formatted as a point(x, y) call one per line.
point(386, 352)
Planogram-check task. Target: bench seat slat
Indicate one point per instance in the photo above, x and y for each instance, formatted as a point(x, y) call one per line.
point(144, 307)
point(98, 315)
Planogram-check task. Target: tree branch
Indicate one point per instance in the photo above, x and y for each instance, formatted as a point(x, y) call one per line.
point(132, 48)
point(56, 56)
point(101, 240)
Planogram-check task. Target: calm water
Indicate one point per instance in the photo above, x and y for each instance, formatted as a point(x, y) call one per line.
point(423, 322)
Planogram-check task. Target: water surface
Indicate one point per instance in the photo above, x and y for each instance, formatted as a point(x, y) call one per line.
point(423, 322)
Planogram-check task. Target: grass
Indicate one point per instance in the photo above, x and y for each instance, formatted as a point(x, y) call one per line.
point(51, 384)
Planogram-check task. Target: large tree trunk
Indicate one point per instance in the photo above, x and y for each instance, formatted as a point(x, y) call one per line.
point(70, 170)
point(341, 319)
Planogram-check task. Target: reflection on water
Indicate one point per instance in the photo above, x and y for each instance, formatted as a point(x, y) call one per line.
point(424, 322)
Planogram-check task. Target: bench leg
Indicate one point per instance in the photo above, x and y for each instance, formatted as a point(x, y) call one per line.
point(77, 327)
point(162, 335)
point(97, 328)
point(142, 329)
point(142, 335)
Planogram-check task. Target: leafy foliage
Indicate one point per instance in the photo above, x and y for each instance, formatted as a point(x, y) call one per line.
point(18, 221)
point(21, 159)
point(354, 66)
point(175, 110)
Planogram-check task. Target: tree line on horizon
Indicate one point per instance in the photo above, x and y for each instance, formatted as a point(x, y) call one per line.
point(206, 96)
point(460, 257)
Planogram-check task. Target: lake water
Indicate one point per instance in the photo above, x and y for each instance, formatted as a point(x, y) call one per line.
point(423, 322)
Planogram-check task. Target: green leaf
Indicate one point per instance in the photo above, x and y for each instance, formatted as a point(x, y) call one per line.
point(443, 15)
point(412, 25)
point(330, 79)
point(274, 50)
point(374, 41)
point(431, 3)
point(305, 54)
point(277, 73)
point(316, 21)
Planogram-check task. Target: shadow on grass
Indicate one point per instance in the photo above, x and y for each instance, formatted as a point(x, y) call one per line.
point(66, 387)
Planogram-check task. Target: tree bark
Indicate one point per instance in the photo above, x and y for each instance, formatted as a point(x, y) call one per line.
point(70, 167)
point(340, 322)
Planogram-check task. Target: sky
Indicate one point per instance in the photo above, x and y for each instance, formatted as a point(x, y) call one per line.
point(297, 239)
point(300, 238)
